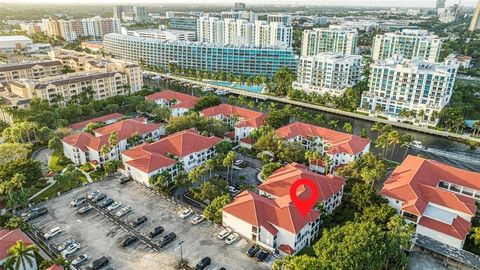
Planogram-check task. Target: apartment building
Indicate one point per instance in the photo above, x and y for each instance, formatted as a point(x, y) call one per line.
point(475, 22)
point(396, 85)
point(30, 70)
point(440, 200)
point(183, 150)
point(318, 40)
point(235, 59)
point(243, 120)
point(178, 103)
point(342, 148)
point(270, 219)
point(163, 34)
point(411, 43)
point(32, 27)
point(84, 147)
point(328, 73)
point(244, 32)
point(70, 30)
point(106, 120)
point(130, 13)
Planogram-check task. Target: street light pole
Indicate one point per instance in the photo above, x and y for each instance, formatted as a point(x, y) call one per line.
point(181, 252)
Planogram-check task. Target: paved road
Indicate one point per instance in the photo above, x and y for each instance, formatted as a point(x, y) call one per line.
point(42, 155)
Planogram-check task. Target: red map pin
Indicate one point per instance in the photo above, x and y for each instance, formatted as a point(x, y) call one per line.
point(306, 200)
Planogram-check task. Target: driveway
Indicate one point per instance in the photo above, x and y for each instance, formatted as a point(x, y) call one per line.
point(43, 155)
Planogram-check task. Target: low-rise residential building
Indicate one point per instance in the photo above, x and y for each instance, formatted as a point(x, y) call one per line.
point(397, 86)
point(9, 101)
point(244, 121)
point(179, 103)
point(106, 119)
point(84, 147)
point(328, 73)
point(30, 70)
point(9, 238)
point(440, 200)
point(183, 150)
point(342, 148)
point(271, 220)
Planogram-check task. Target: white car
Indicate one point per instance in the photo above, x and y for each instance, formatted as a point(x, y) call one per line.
point(94, 194)
point(224, 233)
point(221, 92)
point(122, 212)
point(80, 259)
point(197, 219)
point(185, 213)
point(231, 238)
point(232, 190)
point(238, 162)
point(65, 244)
point(54, 231)
point(114, 205)
point(71, 249)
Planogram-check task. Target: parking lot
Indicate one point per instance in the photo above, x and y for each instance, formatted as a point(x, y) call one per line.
point(100, 234)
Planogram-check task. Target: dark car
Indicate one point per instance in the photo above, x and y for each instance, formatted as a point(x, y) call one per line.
point(98, 263)
point(252, 251)
point(222, 268)
point(99, 197)
point(85, 209)
point(262, 255)
point(125, 180)
point(129, 240)
point(139, 221)
point(167, 239)
point(206, 261)
point(36, 213)
point(156, 231)
point(106, 203)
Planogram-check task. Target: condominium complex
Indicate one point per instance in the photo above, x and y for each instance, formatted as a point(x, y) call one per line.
point(397, 85)
point(281, 18)
point(70, 30)
point(183, 23)
point(163, 34)
point(131, 13)
point(179, 103)
point(475, 22)
point(238, 60)
point(317, 40)
point(30, 70)
point(410, 43)
point(328, 73)
point(32, 27)
point(243, 32)
point(239, 15)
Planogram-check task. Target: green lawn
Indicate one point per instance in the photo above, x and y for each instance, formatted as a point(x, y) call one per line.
point(55, 163)
point(97, 175)
point(61, 187)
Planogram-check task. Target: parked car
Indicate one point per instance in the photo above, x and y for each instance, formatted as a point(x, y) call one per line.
point(36, 213)
point(52, 232)
point(222, 268)
point(221, 92)
point(232, 189)
point(238, 162)
point(71, 249)
point(203, 263)
point(197, 219)
point(78, 201)
point(129, 240)
point(224, 233)
point(125, 180)
point(94, 194)
point(29, 212)
point(85, 209)
point(79, 260)
point(156, 231)
point(231, 238)
point(99, 197)
point(139, 221)
point(253, 250)
point(122, 212)
point(98, 263)
point(65, 244)
point(114, 205)
point(167, 239)
point(106, 203)
point(262, 255)
point(185, 213)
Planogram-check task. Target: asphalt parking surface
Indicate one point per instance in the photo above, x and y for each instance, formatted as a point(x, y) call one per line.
point(99, 235)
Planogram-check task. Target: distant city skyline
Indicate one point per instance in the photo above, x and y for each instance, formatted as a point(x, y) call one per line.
point(365, 3)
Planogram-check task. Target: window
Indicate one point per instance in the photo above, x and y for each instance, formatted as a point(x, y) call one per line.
point(455, 188)
point(467, 191)
point(443, 184)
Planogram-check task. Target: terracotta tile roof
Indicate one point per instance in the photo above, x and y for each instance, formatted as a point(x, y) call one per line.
point(248, 118)
point(83, 141)
point(278, 184)
point(183, 100)
point(27, 65)
point(105, 118)
point(260, 211)
point(151, 157)
point(55, 267)
point(340, 142)
point(287, 249)
point(458, 229)
point(415, 183)
point(8, 238)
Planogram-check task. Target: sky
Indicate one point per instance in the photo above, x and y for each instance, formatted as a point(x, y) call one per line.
point(380, 3)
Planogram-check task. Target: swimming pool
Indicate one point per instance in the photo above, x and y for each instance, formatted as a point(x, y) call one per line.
point(240, 86)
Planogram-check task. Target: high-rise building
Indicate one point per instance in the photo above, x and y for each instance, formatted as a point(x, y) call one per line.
point(410, 43)
point(239, 6)
point(70, 30)
point(162, 34)
point(440, 4)
point(328, 73)
point(317, 40)
point(131, 13)
point(238, 60)
point(243, 32)
point(475, 23)
point(237, 15)
point(32, 27)
point(183, 23)
point(281, 18)
point(398, 87)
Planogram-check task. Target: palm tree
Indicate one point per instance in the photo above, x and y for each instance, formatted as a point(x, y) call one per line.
point(406, 141)
point(333, 124)
point(210, 165)
point(327, 162)
point(382, 142)
point(20, 256)
point(63, 262)
point(312, 156)
point(113, 141)
point(376, 127)
point(476, 235)
point(393, 138)
point(347, 127)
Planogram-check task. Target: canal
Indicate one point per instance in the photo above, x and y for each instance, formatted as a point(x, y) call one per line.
point(438, 148)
